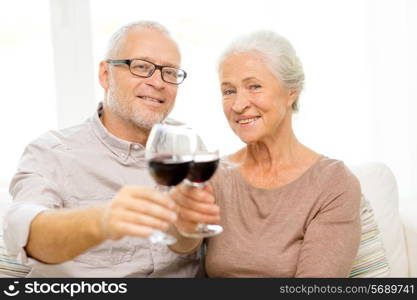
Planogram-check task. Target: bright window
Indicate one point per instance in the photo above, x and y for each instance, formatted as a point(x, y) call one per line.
point(27, 79)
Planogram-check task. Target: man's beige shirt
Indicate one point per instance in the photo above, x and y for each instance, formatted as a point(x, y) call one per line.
point(80, 166)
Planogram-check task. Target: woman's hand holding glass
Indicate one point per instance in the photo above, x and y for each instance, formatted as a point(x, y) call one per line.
point(196, 206)
point(203, 166)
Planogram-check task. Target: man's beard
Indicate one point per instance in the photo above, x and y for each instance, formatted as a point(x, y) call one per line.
point(125, 110)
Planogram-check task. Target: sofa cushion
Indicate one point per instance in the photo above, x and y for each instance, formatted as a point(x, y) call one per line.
point(8, 265)
point(408, 213)
point(380, 188)
point(371, 259)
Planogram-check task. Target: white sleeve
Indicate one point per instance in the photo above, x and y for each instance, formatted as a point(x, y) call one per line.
point(35, 187)
point(16, 226)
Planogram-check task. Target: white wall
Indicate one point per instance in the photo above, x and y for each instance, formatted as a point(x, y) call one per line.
point(359, 59)
point(359, 56)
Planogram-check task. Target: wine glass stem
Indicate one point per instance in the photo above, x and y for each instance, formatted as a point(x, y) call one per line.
point(163, 188)
point(195, 184)
point(159, 237)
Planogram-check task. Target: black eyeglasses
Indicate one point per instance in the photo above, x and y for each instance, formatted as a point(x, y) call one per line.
point(143, 68)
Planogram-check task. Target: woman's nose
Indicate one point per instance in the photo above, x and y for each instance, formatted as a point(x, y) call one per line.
point(240, 104)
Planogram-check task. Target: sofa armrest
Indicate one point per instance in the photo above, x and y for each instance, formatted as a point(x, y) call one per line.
point(410, 232)
point(408, 213)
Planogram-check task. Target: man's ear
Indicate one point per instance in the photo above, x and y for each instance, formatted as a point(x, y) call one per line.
point(103, 75)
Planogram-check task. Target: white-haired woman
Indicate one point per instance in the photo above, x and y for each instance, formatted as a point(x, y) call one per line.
point(287, 211)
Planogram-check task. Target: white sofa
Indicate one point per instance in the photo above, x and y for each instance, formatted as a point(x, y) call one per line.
point(396, 219)
point(398, 225)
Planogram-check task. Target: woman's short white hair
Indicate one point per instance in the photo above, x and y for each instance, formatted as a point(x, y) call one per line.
point(279, 56)
point(114, 41)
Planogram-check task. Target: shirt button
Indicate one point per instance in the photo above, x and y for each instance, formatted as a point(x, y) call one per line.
point(135, 146)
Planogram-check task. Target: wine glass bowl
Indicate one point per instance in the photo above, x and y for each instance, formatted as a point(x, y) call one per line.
point(168, 171)
point(202, 168)
point(169, 151)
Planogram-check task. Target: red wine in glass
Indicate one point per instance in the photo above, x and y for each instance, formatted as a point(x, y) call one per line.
point(202, 168)
point(167, 170)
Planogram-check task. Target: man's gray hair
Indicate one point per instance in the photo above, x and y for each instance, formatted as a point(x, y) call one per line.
point(279, 56)
point(114, 41)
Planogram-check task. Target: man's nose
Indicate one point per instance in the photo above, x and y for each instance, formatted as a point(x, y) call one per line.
point(156, 80)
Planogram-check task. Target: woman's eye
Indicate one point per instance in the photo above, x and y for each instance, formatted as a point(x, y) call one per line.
point(228, 92)
point(255, 86)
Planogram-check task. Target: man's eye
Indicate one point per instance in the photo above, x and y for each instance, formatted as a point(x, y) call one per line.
point(140, 67)
point(171, 73)
point(255, 86)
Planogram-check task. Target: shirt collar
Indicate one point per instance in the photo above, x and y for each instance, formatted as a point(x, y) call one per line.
point(119, 147)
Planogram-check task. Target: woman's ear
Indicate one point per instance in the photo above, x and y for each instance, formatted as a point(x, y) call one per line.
point(103, 75)
point(292, 97)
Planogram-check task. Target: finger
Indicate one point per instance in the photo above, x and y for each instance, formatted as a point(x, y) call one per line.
point(183, 226)
point(134, 230)
point(185, 202)
point(197, 194)
point(204, 208)
point(151, 195)
point(144, 220)
point(145, 207)
point(193, 216)
point(208, 188)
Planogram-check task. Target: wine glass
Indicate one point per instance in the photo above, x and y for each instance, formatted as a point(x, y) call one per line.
point(168, 152)
point(205, 162)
